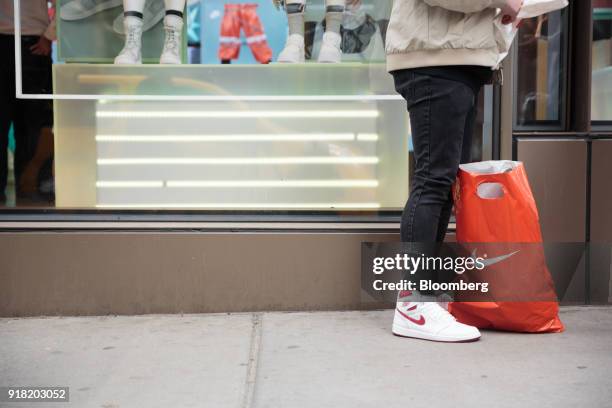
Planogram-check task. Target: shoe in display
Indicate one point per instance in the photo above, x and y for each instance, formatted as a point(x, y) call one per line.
point(430, 321)
point(171, 53)
point(330, 48)
point(293, 53)
point(131, 52)
point(80, 9)
point(152, 14)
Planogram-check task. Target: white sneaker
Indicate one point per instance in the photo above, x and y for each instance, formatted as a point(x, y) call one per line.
point(131, 52)
point(80, 9)
point(429, 321)
point(171, 54)
point(330, 48)
point(293, 53)
point(152, 14)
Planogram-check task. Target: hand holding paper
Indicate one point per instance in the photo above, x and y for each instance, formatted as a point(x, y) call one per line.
point(529, 9)
point(511, 10)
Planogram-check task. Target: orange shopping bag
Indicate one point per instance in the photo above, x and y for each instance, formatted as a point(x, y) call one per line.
point(494, 204)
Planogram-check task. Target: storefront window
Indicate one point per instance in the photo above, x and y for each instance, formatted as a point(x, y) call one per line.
point(601, 106)
point(540, 69)
point(224, 127)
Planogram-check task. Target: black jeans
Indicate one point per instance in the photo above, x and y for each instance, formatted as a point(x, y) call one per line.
point(442, 116)
point(28, 116)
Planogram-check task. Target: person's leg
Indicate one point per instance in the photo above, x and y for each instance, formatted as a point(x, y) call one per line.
point(132, 22)
point(466, 157)
point(438, 110)
point(7, 102)
point(31, 115)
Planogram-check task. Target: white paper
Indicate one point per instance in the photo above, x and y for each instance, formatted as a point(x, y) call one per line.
point(530, 9)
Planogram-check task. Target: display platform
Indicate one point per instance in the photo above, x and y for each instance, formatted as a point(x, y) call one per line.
point(323, 137)
point(293, 80)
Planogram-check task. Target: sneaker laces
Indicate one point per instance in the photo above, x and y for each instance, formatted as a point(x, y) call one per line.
point(436, 312)
point(171, 42)
point(133, 38)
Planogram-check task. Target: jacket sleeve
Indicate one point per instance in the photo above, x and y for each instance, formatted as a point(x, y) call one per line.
point(466, 6)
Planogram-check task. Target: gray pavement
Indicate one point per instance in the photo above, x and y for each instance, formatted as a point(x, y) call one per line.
point(322, 359)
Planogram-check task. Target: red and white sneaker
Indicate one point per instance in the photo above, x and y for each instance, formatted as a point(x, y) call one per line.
point(430, 321)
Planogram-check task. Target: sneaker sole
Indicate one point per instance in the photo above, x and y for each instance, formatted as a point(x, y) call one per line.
point(285, 60)
point(169, 62)
point(127, 63)
point(65, 15)
point(414, 334)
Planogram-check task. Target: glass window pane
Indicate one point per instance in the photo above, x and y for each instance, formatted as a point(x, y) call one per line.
point(540, 71)
point(601, 106)
point(314, 137)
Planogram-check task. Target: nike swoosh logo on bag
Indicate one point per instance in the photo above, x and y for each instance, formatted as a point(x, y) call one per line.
point(493, 261)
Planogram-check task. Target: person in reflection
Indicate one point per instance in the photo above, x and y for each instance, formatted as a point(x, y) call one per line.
point(133, 23)
point(440, 53)
point(32, 119)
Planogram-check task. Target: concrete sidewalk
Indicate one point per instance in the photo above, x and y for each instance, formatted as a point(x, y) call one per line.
point(335, 359)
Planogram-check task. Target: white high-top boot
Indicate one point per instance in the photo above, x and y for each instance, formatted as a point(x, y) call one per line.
point(171, 54)
point(293, 53)
point(330, 48)
point(131, 52)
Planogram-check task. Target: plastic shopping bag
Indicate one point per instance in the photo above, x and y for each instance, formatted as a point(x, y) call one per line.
point(530, 9)
point(494, 204)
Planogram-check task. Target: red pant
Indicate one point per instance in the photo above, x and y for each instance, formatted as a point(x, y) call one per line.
point(243, 16)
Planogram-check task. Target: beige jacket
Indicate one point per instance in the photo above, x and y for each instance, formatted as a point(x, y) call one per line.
point(425, 33)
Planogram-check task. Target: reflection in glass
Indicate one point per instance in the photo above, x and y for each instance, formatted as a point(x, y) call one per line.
point(601, 106)
point(540, 69)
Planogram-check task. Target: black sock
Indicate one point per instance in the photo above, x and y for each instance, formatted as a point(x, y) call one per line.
point(136, 14)
point(177, 13)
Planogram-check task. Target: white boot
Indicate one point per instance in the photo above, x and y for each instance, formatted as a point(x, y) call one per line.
point(330, 48)
point(293, 53)
point(171, 54)
point(131, 52)
point(429, 321)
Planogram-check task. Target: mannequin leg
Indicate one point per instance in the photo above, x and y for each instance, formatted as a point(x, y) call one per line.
point(330, 46)
point(132, 22)
point(173, 25)
point(133, 6)
point(294, 49)
point(178, 5)
point(333, 15)
point(295, 16)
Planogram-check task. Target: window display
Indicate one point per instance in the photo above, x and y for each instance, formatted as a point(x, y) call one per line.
point(98, 31)
point(237, 17)
point(330, 49)
point(133, 26)
point(199, 135)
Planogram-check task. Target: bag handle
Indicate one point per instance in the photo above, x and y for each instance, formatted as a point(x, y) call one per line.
point(480, 180)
